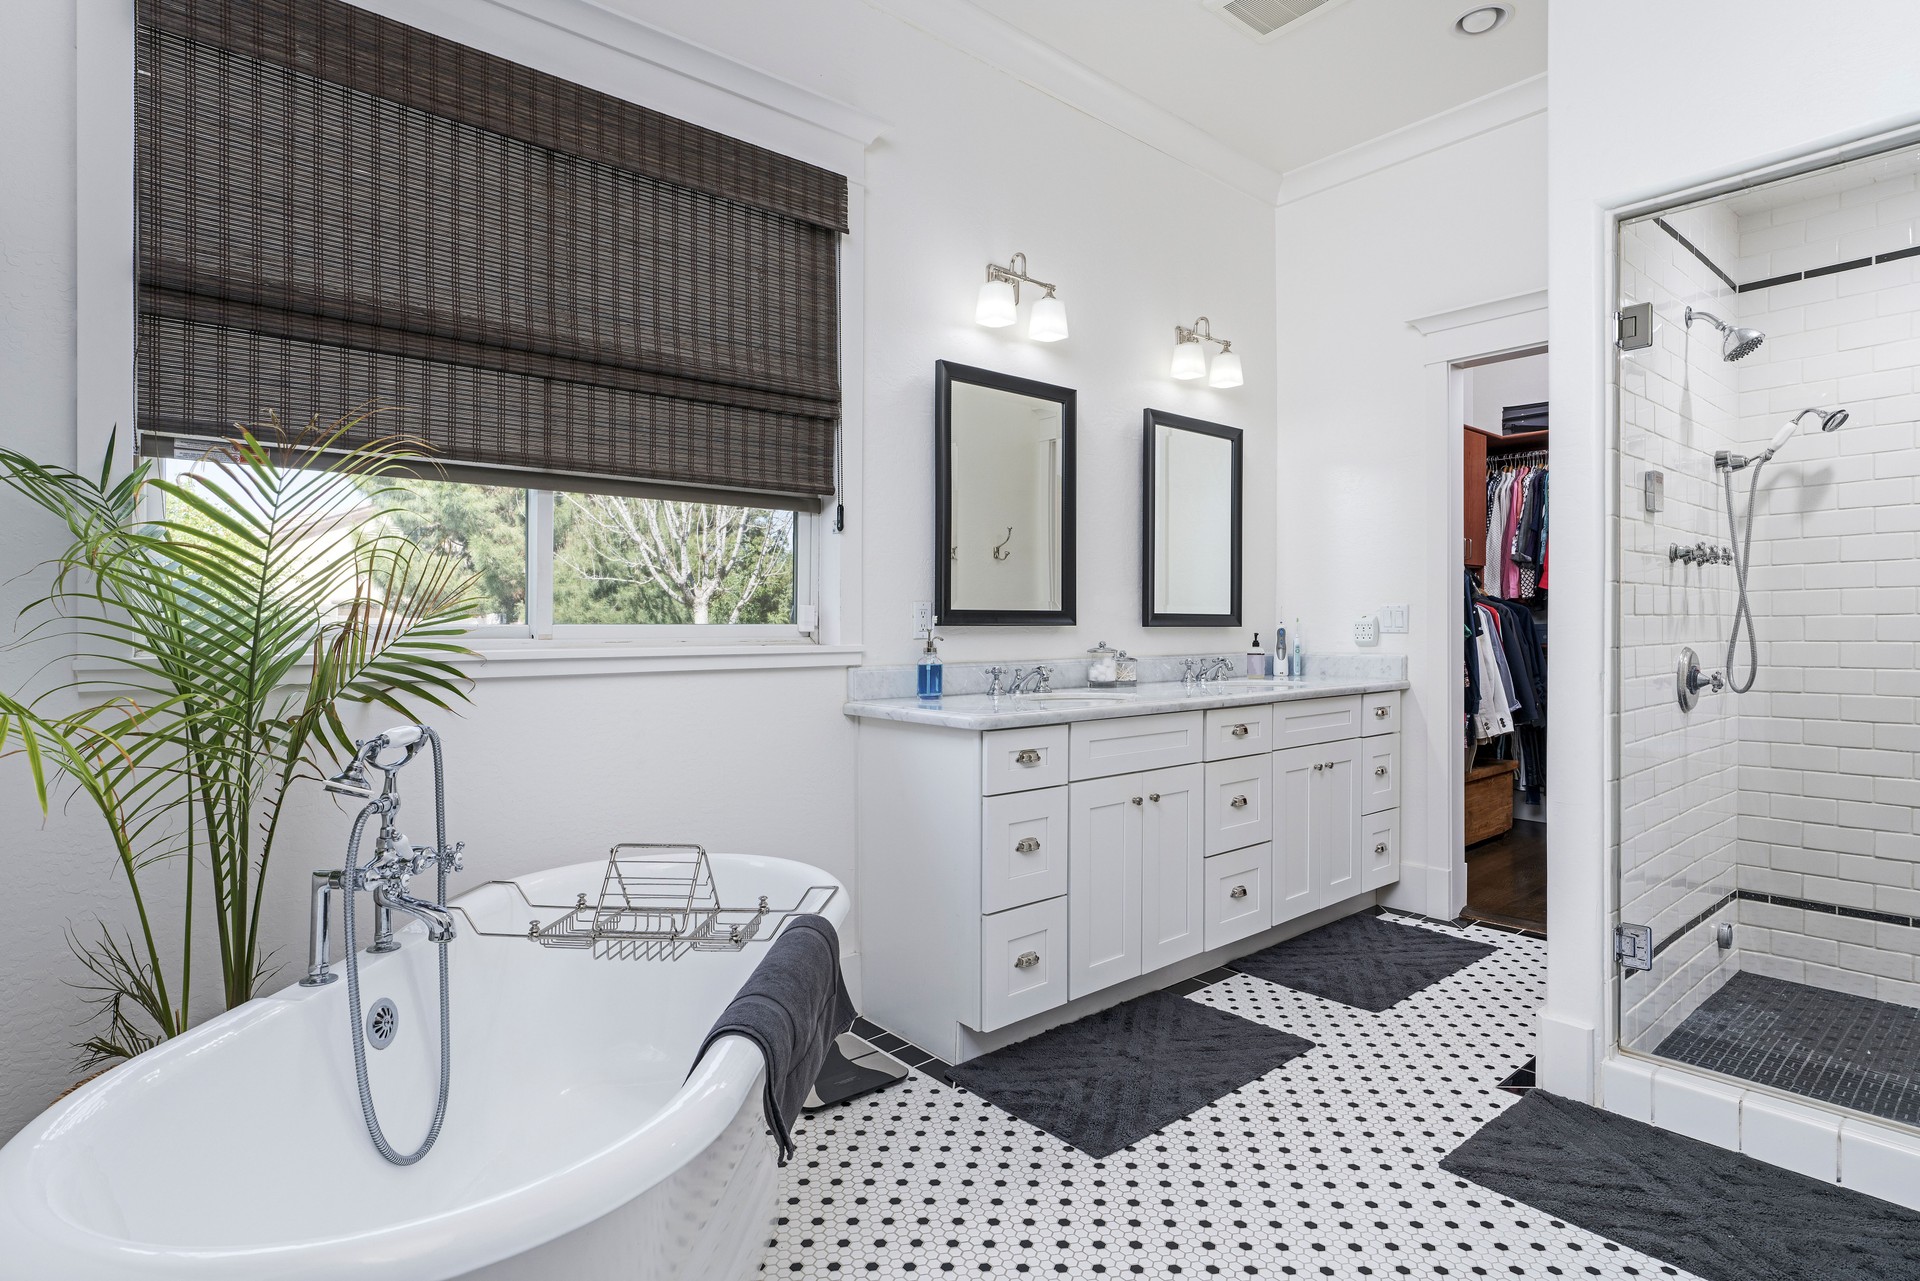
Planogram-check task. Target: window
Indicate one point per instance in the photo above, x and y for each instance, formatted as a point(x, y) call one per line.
point(605, 565)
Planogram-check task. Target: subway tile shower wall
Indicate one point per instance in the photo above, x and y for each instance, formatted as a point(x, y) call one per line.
point(1679, 773)
point(1827, 737)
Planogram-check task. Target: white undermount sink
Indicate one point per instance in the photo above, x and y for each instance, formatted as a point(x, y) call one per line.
point(1070, 698)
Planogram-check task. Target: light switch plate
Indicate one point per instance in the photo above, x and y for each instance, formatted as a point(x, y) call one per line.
point(1393, 619)
point(1366, 630)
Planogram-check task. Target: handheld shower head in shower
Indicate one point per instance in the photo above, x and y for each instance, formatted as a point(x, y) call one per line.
point(1734, 342)
point(1828, 419)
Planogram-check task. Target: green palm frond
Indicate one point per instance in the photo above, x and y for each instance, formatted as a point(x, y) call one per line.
point(194, 714)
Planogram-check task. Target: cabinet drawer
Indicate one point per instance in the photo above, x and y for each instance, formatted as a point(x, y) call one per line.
point(1239, 731)
point(1104, 748)
point(1023, 851)
point(1379, 773)
point(1379, 849)
point(1014, 760)
point(1023, 962)
point(1381, 713)
point(1237, 894)
point(1316, 720)
point(1239, 803)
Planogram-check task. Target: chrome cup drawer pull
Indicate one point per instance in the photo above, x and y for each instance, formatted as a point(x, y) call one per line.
point(1379, 771)
point(1381, 848)
point(1027, 756)
point(1380, 712)
point(1238, 891)
point(1240, 731)
point(1026, 960)
point(1028, 845)
point(1238, 802)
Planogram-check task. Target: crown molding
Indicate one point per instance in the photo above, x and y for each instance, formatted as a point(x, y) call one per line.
point(1007, 49)
point(1519, 101)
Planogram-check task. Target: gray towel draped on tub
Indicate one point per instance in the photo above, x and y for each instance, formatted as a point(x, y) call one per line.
point(793, 1007)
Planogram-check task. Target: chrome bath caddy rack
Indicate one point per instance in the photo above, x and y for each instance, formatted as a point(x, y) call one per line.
point(657, 905)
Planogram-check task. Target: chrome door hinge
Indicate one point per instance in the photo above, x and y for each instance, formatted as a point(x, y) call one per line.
point(1633, 946)
point(1633, 327)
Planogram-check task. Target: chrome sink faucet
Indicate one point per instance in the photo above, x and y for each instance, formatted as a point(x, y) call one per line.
point(1040, 678)
point(1215, 669)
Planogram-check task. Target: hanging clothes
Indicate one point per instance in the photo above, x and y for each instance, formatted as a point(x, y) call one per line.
point(1517, 528)
point(1507, 678)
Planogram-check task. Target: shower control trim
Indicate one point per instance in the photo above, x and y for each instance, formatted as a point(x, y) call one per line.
point(1689, 681)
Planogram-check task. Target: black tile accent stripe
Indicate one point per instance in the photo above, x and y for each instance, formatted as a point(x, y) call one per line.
point(1811, 273)
point(1778, 900)
point(1693, 249)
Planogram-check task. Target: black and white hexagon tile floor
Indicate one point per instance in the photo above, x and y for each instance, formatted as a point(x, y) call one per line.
point(1328, 1166)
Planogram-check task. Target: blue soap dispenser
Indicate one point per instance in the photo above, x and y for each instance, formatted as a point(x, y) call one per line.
point(931, 669)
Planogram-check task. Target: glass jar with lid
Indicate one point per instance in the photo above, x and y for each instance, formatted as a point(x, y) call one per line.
point(1103, 672)
point(1126, 669)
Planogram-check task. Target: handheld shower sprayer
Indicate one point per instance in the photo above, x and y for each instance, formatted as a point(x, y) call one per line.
point(1727, 464)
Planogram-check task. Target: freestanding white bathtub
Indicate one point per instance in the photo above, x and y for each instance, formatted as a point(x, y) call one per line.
point(573, 1147)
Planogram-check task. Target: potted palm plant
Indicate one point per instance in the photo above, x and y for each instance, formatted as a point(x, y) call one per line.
point(224, 618)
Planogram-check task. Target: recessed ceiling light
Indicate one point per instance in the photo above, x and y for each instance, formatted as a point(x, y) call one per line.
point(1477, 22)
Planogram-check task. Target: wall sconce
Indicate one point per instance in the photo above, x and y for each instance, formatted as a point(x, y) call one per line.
point(1190, 358)
point(999, 302)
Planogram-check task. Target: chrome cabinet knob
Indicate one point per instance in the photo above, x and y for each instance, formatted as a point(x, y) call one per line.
point(1318, 768)
point(1027, 756)
point(1238, 802)
point(1379, 771)
point(1136, 800)
point(1028, 845)
point(1026, 960)
point(1153, 796)
point(1381, 848)
point(1380, 712)
point(1238, 891)
point(1240, 731)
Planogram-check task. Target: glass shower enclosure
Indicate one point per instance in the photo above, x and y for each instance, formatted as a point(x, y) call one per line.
point(1768, 617)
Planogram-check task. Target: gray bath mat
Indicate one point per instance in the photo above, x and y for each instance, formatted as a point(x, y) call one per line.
point(1834, 1046)
point(1111, 1079)
point(1718, 1214)
point(1365, 961)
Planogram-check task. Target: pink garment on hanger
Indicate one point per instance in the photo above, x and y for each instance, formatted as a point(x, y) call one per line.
point(1510, 572)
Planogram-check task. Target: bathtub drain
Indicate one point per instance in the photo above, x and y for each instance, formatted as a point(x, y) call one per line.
point(383, 1020)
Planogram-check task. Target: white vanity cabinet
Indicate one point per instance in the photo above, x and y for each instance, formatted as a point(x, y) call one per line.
point(1007, 872)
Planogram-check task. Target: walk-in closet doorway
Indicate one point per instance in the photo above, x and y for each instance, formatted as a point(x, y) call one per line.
point(1504, 581)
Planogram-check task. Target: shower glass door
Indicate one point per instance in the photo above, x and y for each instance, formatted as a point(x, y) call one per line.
point(1766, 827)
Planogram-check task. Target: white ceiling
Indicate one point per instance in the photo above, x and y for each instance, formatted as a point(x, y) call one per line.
point(1354, 71)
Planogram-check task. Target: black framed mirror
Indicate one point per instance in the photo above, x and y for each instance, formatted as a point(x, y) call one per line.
point(1190, 531)
point(1003, 506)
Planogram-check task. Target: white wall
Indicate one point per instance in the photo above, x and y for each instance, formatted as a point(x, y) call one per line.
point(1368, 467)
point(1645, 98)
point(1491, 388)
point(974, 165)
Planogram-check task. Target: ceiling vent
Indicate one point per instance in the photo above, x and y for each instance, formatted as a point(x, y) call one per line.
point(1266, 20)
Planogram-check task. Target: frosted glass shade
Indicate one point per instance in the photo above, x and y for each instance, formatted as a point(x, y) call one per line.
point(1226, 371)
point(1049, 320)
point(1189, 360)
point(996, 308)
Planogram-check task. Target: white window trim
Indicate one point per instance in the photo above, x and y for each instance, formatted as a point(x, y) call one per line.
point(582, 42)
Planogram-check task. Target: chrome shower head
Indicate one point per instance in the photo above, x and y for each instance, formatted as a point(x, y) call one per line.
point(1734, 342)
point(351, 781)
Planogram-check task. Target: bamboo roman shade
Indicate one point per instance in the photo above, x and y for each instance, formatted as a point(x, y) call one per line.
point(552, 285)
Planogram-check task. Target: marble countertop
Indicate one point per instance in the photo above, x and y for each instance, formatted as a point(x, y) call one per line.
point(1011, 711)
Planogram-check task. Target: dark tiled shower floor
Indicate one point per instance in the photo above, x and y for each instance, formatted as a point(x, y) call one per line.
point(1850, 1050)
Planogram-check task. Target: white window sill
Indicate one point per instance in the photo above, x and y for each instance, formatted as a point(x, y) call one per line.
point(515, 658)
point(518, 658)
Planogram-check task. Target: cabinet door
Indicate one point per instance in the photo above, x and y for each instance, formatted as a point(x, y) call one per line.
point(1295, 774)
point(1023, 957)
point(1380, 773)
point(1103, 881)
point(1473, 503)
point(1239, 809)
point(1172, 909)
point(1336, 822)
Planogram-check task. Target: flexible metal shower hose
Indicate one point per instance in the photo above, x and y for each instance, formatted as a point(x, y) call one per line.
point(1741, 548)
point(355, 1030)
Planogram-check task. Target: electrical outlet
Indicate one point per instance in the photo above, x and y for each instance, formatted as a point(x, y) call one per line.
point(922, 617)
point(1366, 630)
point(1393, 618)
